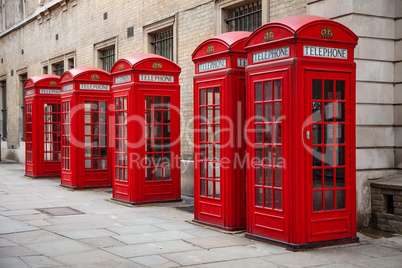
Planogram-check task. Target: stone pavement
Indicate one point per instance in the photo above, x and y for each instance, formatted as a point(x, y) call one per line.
point(110, 234)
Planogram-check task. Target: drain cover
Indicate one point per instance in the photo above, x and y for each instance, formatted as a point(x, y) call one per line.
point(189, 209)
point(60, 211)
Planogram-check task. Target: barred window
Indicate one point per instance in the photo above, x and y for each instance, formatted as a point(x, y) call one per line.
point(23, 78)
point(58, 68)
point(4, 108)
point(108, 58)
point(245, 18)
point(163, 44)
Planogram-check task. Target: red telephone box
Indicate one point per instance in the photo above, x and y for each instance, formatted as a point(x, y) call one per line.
point(301, 133)
point(42, 126)
point(86, 153)
point(146, 166)
point(219, 149)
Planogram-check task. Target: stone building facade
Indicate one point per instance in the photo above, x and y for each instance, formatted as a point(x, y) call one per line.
point(50, 36)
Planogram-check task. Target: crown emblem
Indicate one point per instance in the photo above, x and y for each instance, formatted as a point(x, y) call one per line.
point(121, 67)
point(53, 83)
point(66, 77)
point(210, 49)
point(29, 83)
point(95, 77)
point(269, 36)
point(327, 33)
point(157, 66)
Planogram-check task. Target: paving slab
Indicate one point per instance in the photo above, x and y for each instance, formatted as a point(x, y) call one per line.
point(102, 242)
point(60, 247)
point(135, 229)
point(130, 251)
point(152, 237)
point(214, 255)
point(8, 226)
point(218, 241)
point(96, 258)
point(250, 262)
point(33, 237)
point(16, 251)
point(87, 233)
point(155, 261)
point(13, 262)
point(40, 261)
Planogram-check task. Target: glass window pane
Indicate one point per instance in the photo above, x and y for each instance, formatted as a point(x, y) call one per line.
point(166, 174)
point(329, 178)
point(317, 178)
point(203, 168)
point(148, 102)
point(317, 201)
point(258, 133)
point(329, 155)
point(258, 175)
point(317, 89)
point(149, 174)
point(340, 155)
point(317, 134)
point(340, 199)
point(317, 156)
point(210, 171)
point(87, 163)
point(217, 99)
point(268, 198)
point(278, 177)
point(258, 197)
point(258, 112)
point(277, 90)
point(158, 174)
point(258, 91)
point(267, 112)
point(340, 177)
point(103, 152)
point(258, 155)
point(217, 114)
point(202, 97)
point(157, 102)
point(203, 187)
point(278, 199)
point(277, 112)
point(267, 90)
point(267, 134)
point(268, 176)
point(329, 112)
point(210, 189)
point(317, 113)
point(340, 133)
point(340, 90)
point(277, 129)
point(103, 163)
point(217, 189)
point(166, 103)
point(340, 112)
point(328, 134)
point(329, 200)
point(328, 89)
point(209, 96)
point(217, 152)
point(217, 133)
point(277, 151)
point(217, 171)
point(87, 118)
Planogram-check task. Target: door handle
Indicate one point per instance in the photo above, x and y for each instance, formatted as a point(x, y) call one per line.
point(308, 134)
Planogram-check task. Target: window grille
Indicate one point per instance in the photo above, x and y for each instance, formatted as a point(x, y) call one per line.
point(163, 44)
point(4, 108)
point(108, 59)
point(245, 18)
point(58, 69)
point(23, 78)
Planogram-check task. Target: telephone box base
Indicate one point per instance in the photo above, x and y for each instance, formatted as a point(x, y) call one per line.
point(86, 187)
point(303, 247)
point(232, 229)
point(41, 176)
point(147, 202)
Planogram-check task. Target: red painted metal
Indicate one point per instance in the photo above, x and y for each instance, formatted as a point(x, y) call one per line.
point(303, 193)
point(219, 112)
point(42, 126)
point(146, 165)
point(86, 148)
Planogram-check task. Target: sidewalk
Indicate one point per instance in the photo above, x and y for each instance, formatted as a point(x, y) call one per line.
point(103, 233)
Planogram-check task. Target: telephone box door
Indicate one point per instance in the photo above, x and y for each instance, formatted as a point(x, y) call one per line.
point(207, 153)
point(328, 145)
point(161, 148)
point(269, 191)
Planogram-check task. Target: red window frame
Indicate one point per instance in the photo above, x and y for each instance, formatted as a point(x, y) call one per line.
point(121, 138)
point(51, 132)
point(158, 138)
point(66, 130)
point(209, 161)
point(28, 129)
point(267, 162)
point(95, 124)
